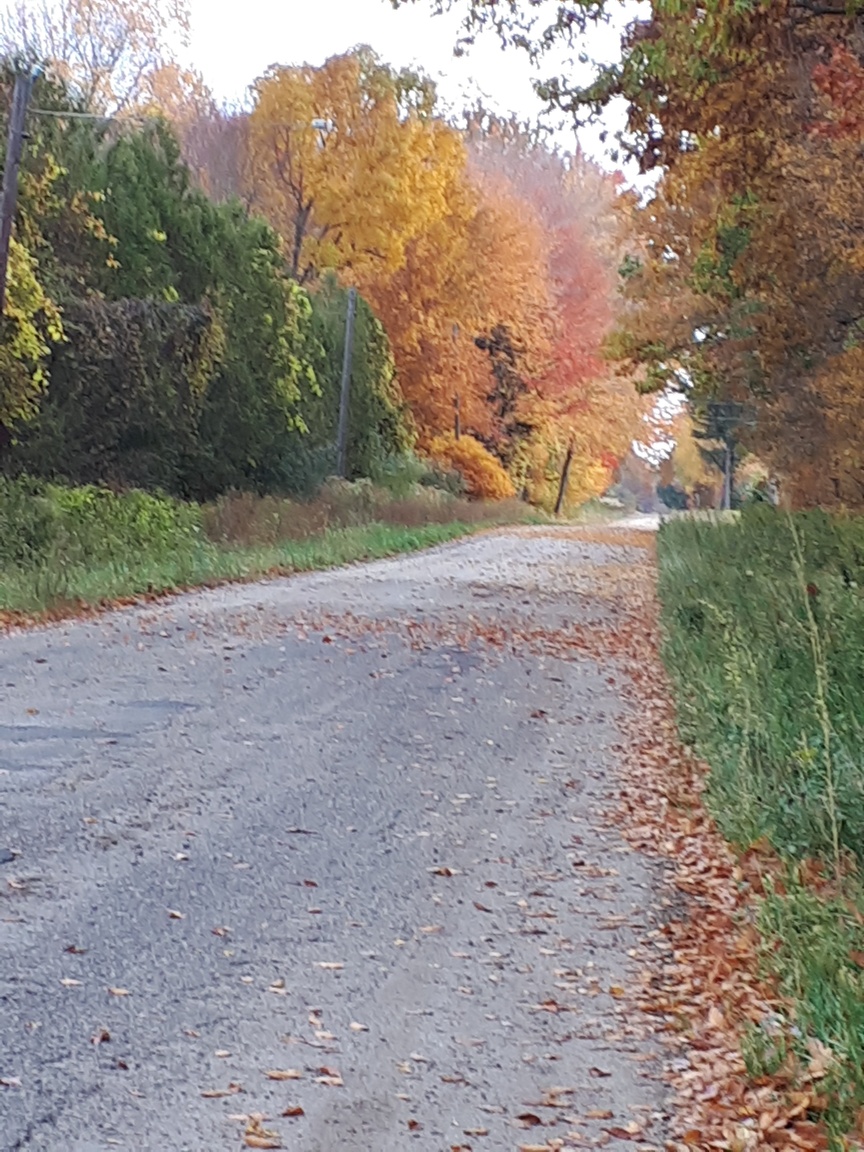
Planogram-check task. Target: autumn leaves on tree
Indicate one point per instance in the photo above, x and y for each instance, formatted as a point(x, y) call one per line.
point(453, 235)
point(488, 258)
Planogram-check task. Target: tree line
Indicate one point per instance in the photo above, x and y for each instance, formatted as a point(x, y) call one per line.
point(745, 280)
point(179, 277)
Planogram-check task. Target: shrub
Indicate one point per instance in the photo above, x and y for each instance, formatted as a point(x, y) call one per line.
point(484, 477)
point(27, 523)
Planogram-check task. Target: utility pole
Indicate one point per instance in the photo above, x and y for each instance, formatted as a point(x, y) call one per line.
point(14, 148)
point(457, 416)
point(345, 393)
point(565, 476)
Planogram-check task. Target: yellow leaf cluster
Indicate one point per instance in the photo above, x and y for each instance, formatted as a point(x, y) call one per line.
point(484, 477)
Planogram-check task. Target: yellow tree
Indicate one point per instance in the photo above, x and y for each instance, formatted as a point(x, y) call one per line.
point(348, 163)
point(483, 265)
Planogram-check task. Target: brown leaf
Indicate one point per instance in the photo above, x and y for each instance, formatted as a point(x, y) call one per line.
point(218, 1093)
point(295, 1111)
point(599, 1114)
point(598, 1072)
point(443, 870)
point(619, 1133)
point(414, 1125)
point(284, 1074)
point(100, 1036)
point(481, 907)
point(527, 1120)
point(257, 1136)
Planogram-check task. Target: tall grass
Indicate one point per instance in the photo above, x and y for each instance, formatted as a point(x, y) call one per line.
point(64, 546)
point(764, 641)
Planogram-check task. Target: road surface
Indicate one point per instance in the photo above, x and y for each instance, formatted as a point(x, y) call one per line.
point(349, 828)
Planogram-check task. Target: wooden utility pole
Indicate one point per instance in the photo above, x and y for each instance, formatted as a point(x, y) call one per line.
point(14, 148)
point(457, 417)
point(345, 393)
point(565, 476)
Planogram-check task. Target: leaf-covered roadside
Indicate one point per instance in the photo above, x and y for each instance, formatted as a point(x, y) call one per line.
point(737, 1084)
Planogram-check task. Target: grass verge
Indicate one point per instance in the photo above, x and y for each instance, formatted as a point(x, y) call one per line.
point(62, 549)
point(763, 623)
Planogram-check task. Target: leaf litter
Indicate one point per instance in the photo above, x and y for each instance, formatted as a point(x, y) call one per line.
point(704, 989)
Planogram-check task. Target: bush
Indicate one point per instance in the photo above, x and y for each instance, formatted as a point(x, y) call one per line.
point(483, 475)
point(27, 523)
point(44, 525)
point(402, 475)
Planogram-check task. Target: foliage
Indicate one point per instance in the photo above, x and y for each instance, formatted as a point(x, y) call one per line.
point(484, 477)
point(347, 162)
point(30, 321)
point(379, 424)
point(126, 392)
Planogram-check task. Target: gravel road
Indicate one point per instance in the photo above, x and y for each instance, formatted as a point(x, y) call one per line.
point(349, 827)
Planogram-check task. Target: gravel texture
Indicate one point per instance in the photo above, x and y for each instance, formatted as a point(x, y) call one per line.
point(323, 825)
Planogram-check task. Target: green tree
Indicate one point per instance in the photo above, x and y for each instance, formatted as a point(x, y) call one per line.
point(379, 424)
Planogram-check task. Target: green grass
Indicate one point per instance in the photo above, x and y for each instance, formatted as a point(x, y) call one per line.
point(67, 546)
point(205, 563)
point(763, 621)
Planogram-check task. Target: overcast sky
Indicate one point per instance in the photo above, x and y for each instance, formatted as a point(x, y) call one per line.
point(233, 44)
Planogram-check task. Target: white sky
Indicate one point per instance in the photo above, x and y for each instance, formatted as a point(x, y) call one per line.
point(233, 44)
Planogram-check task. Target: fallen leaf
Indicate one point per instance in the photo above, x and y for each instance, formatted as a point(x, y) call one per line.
point(598, 1072)
point(431, 929)
point(822, 1059)
point(527, 1120)
point(10, 1081)
point(617, 991)
point(68, 982)
point(218, 1093)
point(100, 1036)
point(599, 1114)
point(221, 930)
point(443, 870)
point(75, 951)
point(173, 914)
point(414, 1125)
point(284, 1074)
point(334, 1081)
point(355, 1027)
point(619, 1133)
point(257, 1136)
point(476, 1131)
point(481, 907)
point(329, 965)
point(119, 992)
point(295, 1111)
